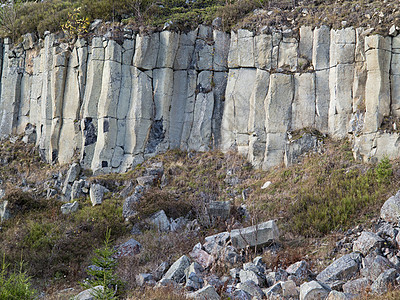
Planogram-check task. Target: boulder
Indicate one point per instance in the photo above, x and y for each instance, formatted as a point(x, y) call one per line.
point(390, 210)
point(72, 173)
point(145, 279)
point(251, 275)
point(206, 293)
point(128, 208)
point(194, 280)
point(374, 265)
point(274, 291)
point(219, 210)
point(260, 234)
point(5, 213)
point(299, 271)
point(201, 256)
point(313, 290)
point(251, 288)
point(335, 295)
point(384, 281)
point(129, 248)
point(366, 242)
point(357, 286)
point(76, 189)
point(289, 289)
point(177, 271)
point(148, 180)
point(88, 294)
point(69, 208)
point(160, 220)
point(97, 193)
point(342, 269)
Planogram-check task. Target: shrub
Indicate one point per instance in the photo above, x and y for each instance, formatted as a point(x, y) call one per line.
point(383, 171)
point(15, 284)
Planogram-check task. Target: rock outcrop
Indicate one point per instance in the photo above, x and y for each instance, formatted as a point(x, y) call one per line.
point(114, 103)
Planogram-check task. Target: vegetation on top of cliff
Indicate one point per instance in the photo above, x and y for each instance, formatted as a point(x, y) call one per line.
point(18, 17)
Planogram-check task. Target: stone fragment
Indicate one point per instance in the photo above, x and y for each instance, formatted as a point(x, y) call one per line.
point(88, 294)
point(160, 220)
point(206, 293)
point(289, 289)
point(357, 286)
point(260, 234)
point(128, 208)
point(194, 280)
point(374, 265)
point(177, 271)
point(146, 180)
point(299, 271)
point(341, 269)
point(266, 185)
point(76, 189)
point(5, 213)
point(335, 295)
point(129, 248)
point(69, 208)
point(250, 275)
point(251, 288)
point(201, 256)
point(313, 290)
point(384, 281)
point(72, 174)
point(219, 210)
point(145, 279)
point(97, 193)
point(390, 210)
point(366, 242)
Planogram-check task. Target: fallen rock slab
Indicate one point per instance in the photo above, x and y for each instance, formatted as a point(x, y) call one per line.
point(341, 269)
point(69, 208)
point(313, 290)
point(88, 294)
point(366, 242)
point(384, 281)
point(257, 235)
point(357, 286)
point(206, 293)
point(177, 271)
point(390, 210)
point(129, 248)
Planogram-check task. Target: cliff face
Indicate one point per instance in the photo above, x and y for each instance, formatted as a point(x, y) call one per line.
point(113, 104)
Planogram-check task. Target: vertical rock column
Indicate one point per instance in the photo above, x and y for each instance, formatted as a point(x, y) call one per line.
point(341, 81)
point(44, 131)
point(320, 61)
point(58, 79)
point(278, 115)
point(94, 81)
point(107, 108)
point(141, 104)
point(377, 93)
point(128, 50)
point(395, 76)
point(70, 141)
point(241, 80)
point(10, 95)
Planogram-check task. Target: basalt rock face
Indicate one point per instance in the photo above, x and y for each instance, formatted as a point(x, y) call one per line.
point(115, 103)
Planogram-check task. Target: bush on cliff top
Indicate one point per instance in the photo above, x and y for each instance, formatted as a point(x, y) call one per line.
point(18, 17)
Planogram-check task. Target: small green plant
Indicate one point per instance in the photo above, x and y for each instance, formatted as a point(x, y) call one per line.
point(104, 272)
point(15, 284)
point(383, 171)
